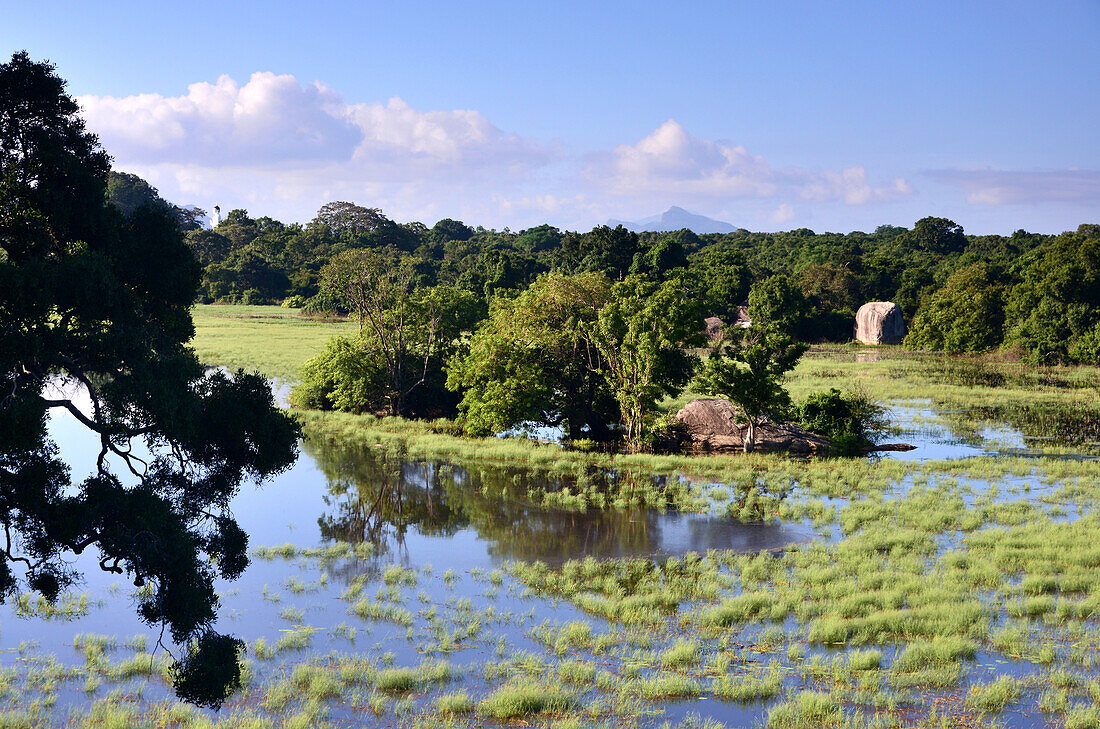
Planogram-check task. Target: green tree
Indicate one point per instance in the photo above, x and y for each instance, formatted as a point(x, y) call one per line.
point(531, 361)
point(662, 258)
point(1055, 309)
point(96, 305)
point(777, 305)
point(129, 192)
point(965, 315)
point(406, 335)
point(748, 370)
point(605, 249)
point(749, 366)
point(939, 236)
point(641, 335)
point(208, 247)
point(448, 229)
point(723, 276)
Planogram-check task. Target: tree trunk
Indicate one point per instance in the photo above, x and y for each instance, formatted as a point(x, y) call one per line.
point(750, 437)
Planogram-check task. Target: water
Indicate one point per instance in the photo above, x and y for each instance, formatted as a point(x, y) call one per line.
point(430, 517)
point(435, 520)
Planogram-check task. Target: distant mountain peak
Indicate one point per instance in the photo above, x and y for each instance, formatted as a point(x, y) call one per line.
point(676, 218)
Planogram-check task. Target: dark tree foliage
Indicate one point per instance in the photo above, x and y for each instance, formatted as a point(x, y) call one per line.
point(129, 192)
point(448, 229)
point(210, 670)
point(660, 259)
point(722, 276)
point(344, 218)
point(1054, 313)
point(964, 315)
point(94, 320)
point(608, 250)
point(777, 304)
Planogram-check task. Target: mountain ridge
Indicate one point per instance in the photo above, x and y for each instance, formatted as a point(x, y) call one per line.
point(676, 218)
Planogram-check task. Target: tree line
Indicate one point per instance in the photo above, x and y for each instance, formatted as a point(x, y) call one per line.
point(1036, 294)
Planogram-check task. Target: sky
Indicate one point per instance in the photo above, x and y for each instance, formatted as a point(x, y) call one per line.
point(768, 115)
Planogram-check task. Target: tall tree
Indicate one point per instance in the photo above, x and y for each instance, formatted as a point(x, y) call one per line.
point(344, 218)
point(641, 335)
point(406, 332)
point(532, 362)
point(748, 370)
point(749, 366)
point(95, 308)
point(966, 314)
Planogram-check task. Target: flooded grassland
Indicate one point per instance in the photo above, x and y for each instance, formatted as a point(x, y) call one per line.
point(404, 577)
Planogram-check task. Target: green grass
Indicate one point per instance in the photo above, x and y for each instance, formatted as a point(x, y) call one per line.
point(992, 698)
point(749, 687)
point(808, 710)
point(270, 339)
point(456, 703)
point(521, 699)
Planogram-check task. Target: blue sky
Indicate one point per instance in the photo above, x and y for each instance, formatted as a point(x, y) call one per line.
point(770, 115)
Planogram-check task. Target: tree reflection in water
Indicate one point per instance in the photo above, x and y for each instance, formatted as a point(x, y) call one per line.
point(377, 495)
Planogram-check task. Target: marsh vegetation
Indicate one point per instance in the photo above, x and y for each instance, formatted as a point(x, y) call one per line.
point(406, 575)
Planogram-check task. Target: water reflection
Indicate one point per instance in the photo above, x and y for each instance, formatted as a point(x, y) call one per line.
point(381, 497)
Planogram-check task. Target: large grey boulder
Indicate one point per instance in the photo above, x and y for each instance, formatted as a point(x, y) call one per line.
point(880, 322)
point(711, 424)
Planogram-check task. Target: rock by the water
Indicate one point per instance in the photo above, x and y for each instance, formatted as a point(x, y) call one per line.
point(711, 424)
point(880, 322)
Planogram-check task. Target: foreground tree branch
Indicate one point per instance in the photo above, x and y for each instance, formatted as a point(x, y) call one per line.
point(102, 299)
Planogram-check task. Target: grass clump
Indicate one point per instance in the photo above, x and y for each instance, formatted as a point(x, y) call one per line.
point(682, 653)
point(666, 686)
point(867, 660)
point(374, 610)
point(741, 609)
point(519, 699)
point(453, 704)
point(808, 710)
point(992, 698)
point(298, 638)
point(750, 687)
point(577, 673)
point(1083, 717)
point(935, 652)
point(400, 680)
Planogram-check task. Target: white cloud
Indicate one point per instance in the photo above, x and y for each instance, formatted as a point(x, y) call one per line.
point(270, 120)
point(672, 161)
point(274, 121)
point(1012, 187)
point(782, 214)
point(283, 148)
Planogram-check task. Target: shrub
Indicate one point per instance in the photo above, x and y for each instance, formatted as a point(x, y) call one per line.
point(849, 421)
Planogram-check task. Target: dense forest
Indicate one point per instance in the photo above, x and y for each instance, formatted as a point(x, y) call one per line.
point(586, 330)
point(1039, 294)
